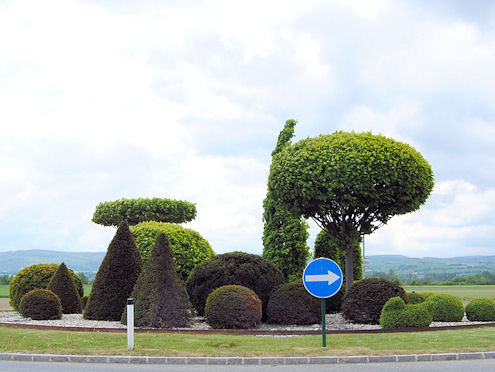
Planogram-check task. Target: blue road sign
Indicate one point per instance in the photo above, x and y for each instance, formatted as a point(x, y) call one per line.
point(322, 277)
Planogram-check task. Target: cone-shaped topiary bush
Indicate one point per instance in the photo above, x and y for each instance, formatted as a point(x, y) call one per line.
point(40, 304)
point(233, 306)
point(160, 297)
point(64, 287)
point(291, 303)
point(34, 277)
point(364, 301)
point(115, 278)
point(240, 268)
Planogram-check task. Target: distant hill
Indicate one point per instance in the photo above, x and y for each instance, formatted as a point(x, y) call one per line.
point(13, 261)
point(436, 268)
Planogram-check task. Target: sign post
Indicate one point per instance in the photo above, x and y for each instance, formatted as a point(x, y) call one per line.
point(323, 278)
point(130, 324)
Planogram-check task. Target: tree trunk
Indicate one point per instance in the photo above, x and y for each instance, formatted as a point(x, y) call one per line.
point(349, 267)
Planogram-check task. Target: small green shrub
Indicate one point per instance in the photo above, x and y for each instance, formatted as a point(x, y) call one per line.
point(334, 304)
point(84, 301)
point(188, 247)
point(34, 277)
point(41, 304)
point(427, 295)
point(396, 314)
point(233, 306)
point(364, 301)
point(64, 287)
point(239, 268)
point(415, 298)
point(445, 308)
point(290, 303)
point(481, 309)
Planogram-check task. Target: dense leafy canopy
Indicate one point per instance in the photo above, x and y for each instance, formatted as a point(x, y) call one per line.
point(140, 210)
point(64, 287)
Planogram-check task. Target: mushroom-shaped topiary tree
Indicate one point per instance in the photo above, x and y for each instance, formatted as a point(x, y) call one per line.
point(350, 184)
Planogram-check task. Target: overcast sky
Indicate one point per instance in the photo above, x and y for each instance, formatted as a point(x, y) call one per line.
point(103, 100)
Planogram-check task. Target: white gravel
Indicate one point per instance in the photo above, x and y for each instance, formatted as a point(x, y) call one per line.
point(333, 322)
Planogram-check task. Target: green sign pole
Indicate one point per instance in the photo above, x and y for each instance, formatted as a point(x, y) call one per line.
point(323, 323)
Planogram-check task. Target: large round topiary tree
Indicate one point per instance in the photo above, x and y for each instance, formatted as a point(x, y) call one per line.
point(239, 268)
point(36, 277)
point(188, 247)
point(142, 209)
point(350, 184)
point(160, 295)
point(115, 278)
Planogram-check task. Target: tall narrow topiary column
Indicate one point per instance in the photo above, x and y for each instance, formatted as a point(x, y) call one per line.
point(64, 287)
point(115, 278)
point(160, 295)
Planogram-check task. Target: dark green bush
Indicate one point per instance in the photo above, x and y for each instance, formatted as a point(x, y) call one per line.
point(160, 297)
point(334, 304)
point(239, 268)
point(233, 306)
point(396, 314)
point(445, 308)
point(481, 309)
point(35, 277)
point(415, 298)
point(364, 301)
point(141, 210)
point(115, 278)
point(64, 287)
point(290, 303)
point(84, 301)
point(188, 247)
point(40, 304)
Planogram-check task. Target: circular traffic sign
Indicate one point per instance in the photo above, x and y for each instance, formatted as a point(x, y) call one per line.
point(322, 277)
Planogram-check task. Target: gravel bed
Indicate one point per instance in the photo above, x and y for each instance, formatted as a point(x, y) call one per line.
point(333, 322)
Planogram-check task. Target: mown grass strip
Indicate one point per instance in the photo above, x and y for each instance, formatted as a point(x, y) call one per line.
point(13, 340)
point(4, 290)
point(464, 292)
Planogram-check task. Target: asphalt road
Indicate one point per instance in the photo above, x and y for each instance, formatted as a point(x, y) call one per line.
point(486, 365)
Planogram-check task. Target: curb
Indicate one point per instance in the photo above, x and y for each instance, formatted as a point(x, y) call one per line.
point(246, 360)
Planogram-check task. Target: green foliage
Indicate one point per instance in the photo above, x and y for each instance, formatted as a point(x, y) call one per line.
point(84, 301)
point(445, 308)
point(284, 234)
point(233, 306)
point(350, 183)
point(34, 277)
point(415, 298)
point(290, 303)
point(188, 247)
point(239, 268)
point(115, 278)
point(5, 279)
point(334, 304)
point(160, 297)
point(64, 287)
point(40, 304)
point(364, 301)
point(481, 309)
point(330, 247)
point(141, 210)
point(396, 314)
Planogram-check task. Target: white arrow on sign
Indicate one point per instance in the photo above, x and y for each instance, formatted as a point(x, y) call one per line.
point(330, 278)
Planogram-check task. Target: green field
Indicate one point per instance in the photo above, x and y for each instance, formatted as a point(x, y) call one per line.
point(4, 290)
point(464, 292)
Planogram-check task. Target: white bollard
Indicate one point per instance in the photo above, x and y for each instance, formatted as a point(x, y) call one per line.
point(130, 324)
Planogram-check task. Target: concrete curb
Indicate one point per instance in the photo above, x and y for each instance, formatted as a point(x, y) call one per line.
point(245, 361)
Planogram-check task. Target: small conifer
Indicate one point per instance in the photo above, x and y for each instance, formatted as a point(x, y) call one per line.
point(64, 287)
point(115, 278)
point(160, 296)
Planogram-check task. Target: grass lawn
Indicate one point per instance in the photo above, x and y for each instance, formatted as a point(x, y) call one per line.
point(14, 340)
point(4, 290)
point(464, 292)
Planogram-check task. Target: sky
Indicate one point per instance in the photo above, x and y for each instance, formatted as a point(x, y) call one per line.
point(108, 99)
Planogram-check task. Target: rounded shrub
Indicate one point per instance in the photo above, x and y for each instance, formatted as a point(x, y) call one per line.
point(415, 298)
point(188, 247)
point(364, 301)
point(481, 309)
point(239, 268)
point(35, 277)
point(233, 306)
point(445, 308)
point(334, 304)
point(290, 303)
point(40, 304)
point(397, 314)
